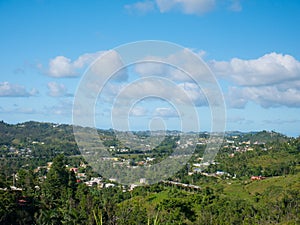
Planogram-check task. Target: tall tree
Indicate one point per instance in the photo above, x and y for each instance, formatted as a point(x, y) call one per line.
point(56, 183)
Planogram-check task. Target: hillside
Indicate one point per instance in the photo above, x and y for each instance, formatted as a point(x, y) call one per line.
point(225, 192)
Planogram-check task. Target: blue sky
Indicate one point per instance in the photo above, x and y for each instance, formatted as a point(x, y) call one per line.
point(252, 47)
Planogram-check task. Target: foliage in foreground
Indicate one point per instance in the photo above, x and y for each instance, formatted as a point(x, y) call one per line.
point(60, 200)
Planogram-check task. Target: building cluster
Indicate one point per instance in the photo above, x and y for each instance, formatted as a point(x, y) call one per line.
point(242, 146)
point(15, 152)
point(231, 143)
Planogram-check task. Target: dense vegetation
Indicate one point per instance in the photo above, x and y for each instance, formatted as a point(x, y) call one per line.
point(225, 199)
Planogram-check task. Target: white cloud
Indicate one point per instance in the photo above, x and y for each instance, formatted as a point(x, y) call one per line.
point(86, 59)
point(147, 88)
point(182, 68)
point(266, 96)
point(33, 92)
point(165, 112)
point(110, 63)
point(186, 93)
point(191, 7)
point(140, 7)
point(235, 5)
point(152, 88)
point(235, 98)
point(272, 80)
point(151, 68)
point(186, 6)
point(177, 66)
point(14, 90)
point(57, 90)
point(61, 66)
point(194, 92)
point(293, 83)
point(269, 69)
point(138, 111)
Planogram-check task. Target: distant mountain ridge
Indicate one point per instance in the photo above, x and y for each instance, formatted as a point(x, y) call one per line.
point(49, 139)
point(258, 136)
point(46, 131)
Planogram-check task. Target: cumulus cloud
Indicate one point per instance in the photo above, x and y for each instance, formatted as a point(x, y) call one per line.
point(186, 93)
point(191, 7)
point(153, 89)
point(140, 7)
point(266, 96)
point(186, 6)
point(235, 6)
point(194, 92)
point(269, 69)
point(177, 67)
point(57, 90)
point(61, 66)
point(109, 64)
point(14, 90)
point(271, 80)
point(165, 112)
point(138, 111)
point(235, 99)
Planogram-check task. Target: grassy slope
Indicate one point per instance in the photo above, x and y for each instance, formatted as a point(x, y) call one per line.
point(238, 189)
point(289, 181)
point(247, 190)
